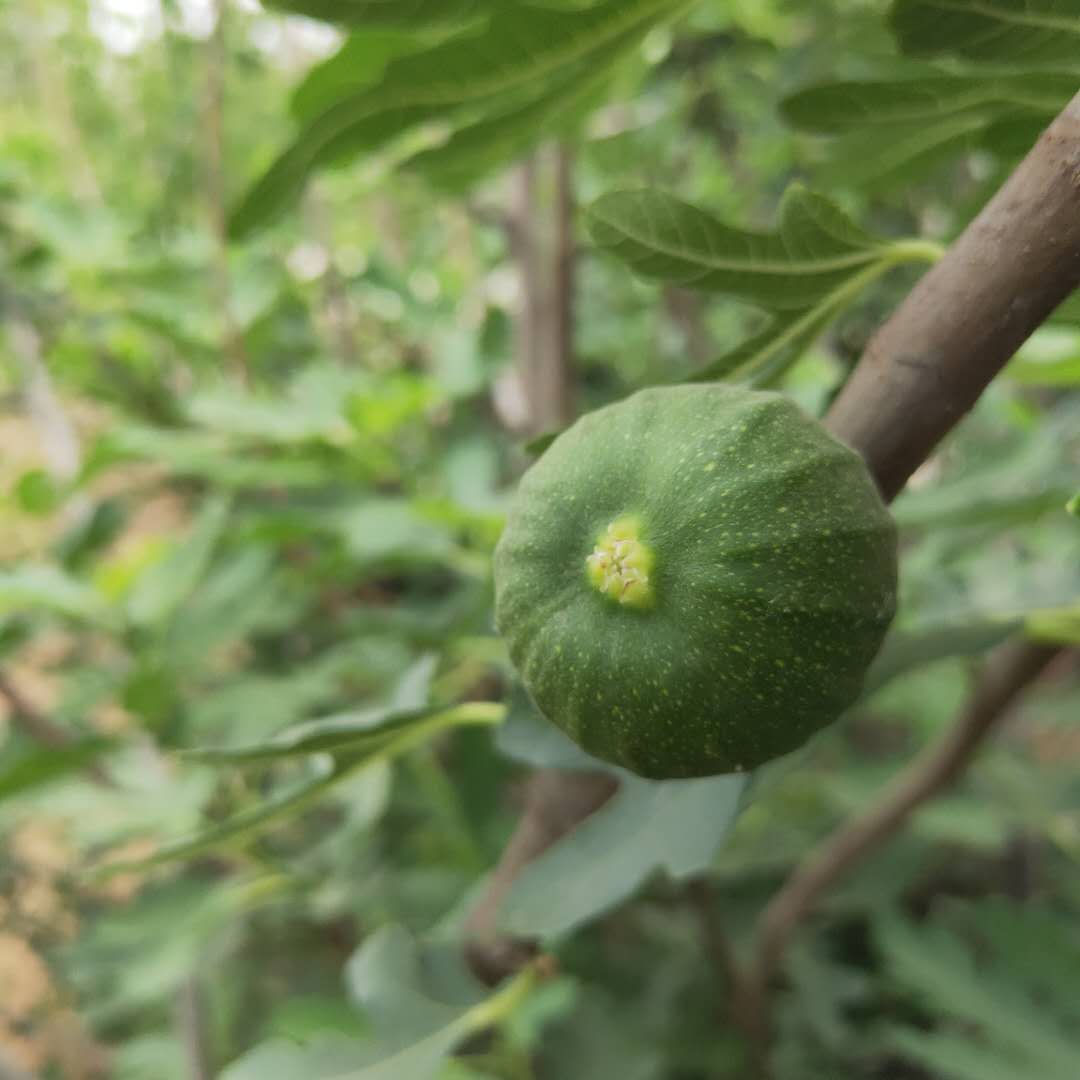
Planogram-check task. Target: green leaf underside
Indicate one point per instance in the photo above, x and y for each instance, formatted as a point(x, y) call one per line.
point(338, 747)
point(640, 830)
point(814, 249)
point(360, 733)
point(898, 154)
point(1028, 32)
point(817, 257)
point(522, 53)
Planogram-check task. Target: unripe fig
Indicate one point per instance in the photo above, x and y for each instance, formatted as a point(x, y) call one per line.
point(694, 580)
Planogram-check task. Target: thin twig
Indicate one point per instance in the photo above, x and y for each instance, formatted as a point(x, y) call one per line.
point(555, 803)
point(1006, 675)
point(39, 728)
point(191, 1028)
point(721, 954)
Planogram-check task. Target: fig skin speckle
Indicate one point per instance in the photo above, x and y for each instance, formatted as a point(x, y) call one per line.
point(772, 579)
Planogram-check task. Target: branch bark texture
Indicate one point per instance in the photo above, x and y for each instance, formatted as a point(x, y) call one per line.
point(928, 364)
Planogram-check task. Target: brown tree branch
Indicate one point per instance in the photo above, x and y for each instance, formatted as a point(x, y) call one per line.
point(558, 372)
point(1005, 677)
point(555, 803)
point(928, 364)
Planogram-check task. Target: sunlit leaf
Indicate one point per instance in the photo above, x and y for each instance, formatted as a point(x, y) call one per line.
point(1059, 626)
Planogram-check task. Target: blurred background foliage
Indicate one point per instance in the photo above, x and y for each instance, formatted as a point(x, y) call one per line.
point(256, 442)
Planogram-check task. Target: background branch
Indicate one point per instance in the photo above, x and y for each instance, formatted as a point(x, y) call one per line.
point(1005, 677)
point(192, 1030)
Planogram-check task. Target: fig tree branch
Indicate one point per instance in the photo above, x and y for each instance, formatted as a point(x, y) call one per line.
point(1001, 279)
point(1007, 674)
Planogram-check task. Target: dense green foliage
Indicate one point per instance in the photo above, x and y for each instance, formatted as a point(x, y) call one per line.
point(262, 414)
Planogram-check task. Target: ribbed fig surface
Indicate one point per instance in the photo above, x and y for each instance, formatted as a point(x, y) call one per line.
point(694, 580)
